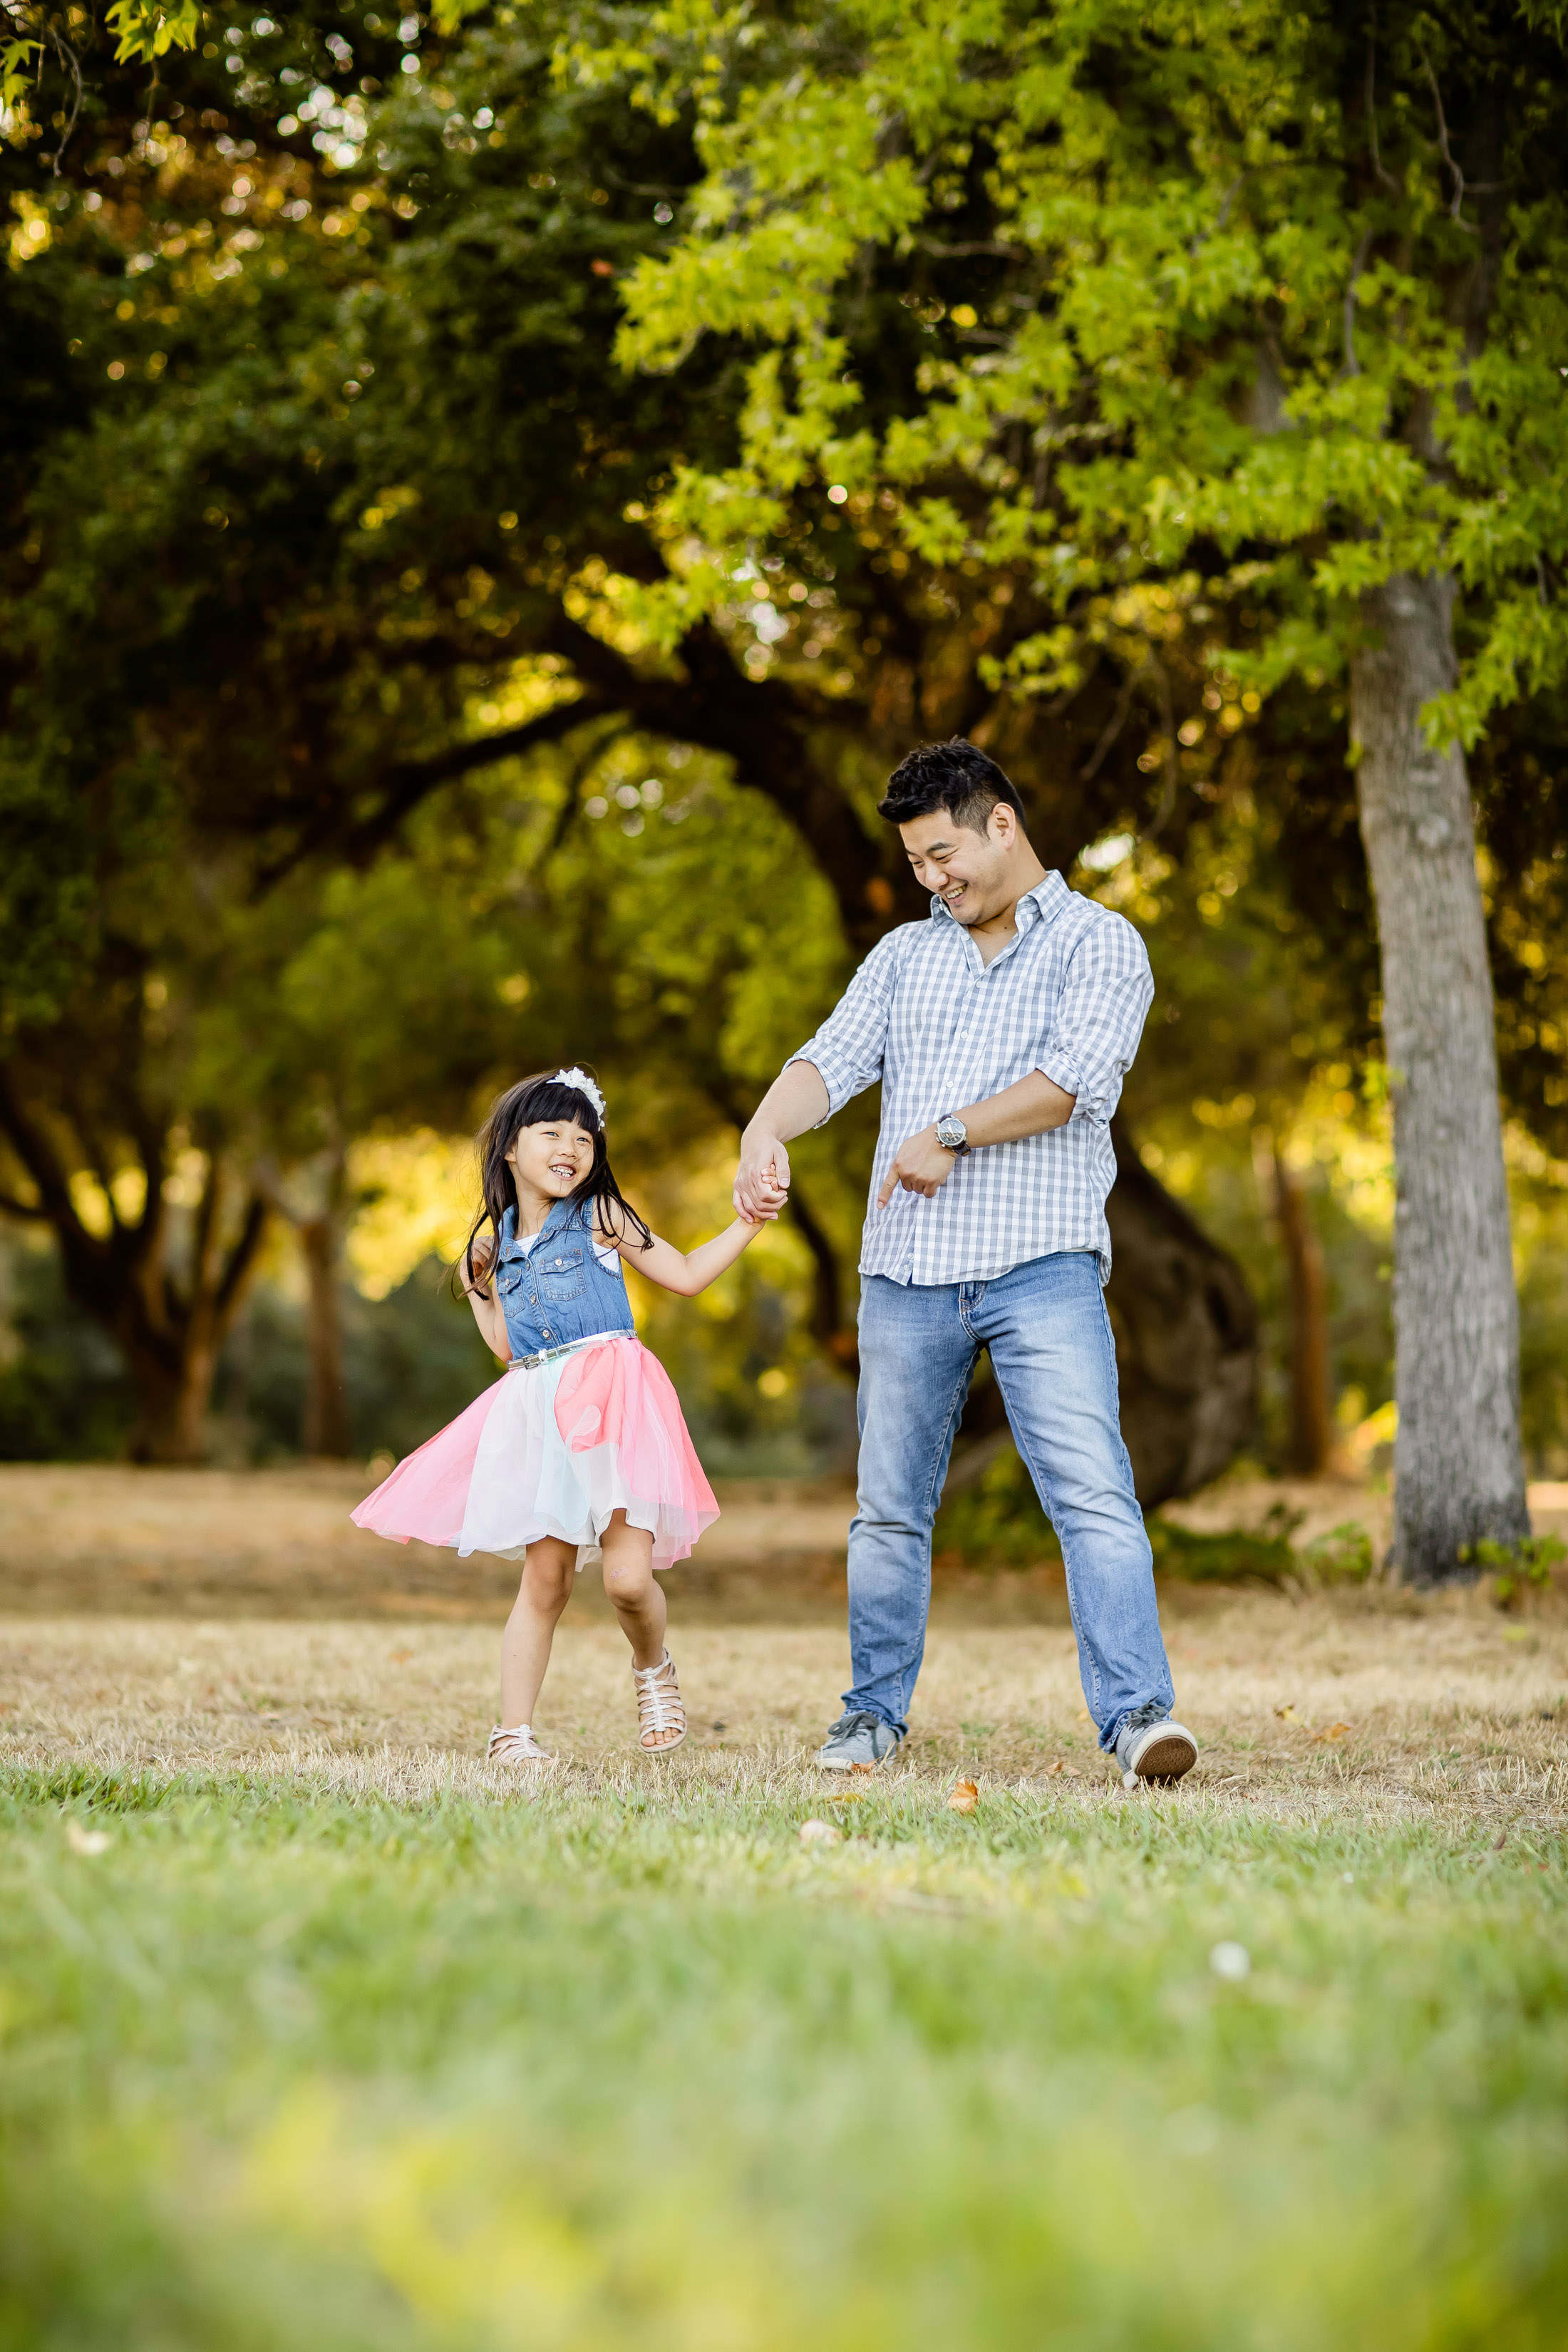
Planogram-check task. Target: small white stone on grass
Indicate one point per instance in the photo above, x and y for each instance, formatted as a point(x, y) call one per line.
point(815, 1832)
point(1232, 1961)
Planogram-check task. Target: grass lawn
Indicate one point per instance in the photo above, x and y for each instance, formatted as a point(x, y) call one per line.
point(316, 2033)
point(629, 2065)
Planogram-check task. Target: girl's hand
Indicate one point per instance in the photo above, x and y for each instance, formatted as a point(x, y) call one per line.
point(480, 1255)
point(767, 1197)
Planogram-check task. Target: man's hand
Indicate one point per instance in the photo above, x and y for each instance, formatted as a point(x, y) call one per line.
point(923, 1166)
point(1033, 1107)
point(761, 1179)
point(797, 1099)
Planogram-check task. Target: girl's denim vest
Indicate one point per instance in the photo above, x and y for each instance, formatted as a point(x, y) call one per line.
point(557, 1292)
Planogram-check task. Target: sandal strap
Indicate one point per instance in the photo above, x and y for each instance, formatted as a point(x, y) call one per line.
point(515, 1744)
point(659, 1703)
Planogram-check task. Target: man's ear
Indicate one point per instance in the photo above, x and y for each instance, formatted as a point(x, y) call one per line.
point(1003, 824)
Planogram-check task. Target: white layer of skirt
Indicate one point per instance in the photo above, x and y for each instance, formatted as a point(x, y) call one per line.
point(555, 1451)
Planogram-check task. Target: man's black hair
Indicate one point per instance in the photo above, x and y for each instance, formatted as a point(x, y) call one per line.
point(957, 777)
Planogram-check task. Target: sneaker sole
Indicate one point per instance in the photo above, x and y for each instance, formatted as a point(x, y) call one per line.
point(844, 1764)
point(1164, 1760)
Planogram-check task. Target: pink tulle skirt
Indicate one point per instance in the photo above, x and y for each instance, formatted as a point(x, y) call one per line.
point(554, 1451)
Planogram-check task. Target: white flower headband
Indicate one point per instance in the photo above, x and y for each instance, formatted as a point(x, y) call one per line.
point(584, 1085)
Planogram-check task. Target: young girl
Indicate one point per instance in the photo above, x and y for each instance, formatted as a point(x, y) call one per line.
point(581, 1446)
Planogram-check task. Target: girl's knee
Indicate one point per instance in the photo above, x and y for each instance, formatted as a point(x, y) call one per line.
point(548, 1585)
point(629, 1583)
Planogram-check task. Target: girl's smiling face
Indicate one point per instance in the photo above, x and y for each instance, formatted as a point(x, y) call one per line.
point(549, 1161)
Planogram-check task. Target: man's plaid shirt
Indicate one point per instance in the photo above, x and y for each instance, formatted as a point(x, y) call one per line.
point(942, 1030)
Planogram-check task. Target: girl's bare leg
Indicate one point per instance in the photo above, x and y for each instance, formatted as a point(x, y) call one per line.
point(633, 1588)
point(549, 1572)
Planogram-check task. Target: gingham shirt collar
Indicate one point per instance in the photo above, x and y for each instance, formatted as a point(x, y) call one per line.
point(1043, 904)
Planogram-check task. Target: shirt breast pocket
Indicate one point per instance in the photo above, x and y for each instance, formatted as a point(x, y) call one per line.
point(560, 1274)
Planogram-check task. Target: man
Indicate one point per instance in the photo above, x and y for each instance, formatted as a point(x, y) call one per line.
point(1000, 1030)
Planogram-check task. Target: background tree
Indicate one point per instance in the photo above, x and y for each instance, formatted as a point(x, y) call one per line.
point(1219, 315)
point(311, 662)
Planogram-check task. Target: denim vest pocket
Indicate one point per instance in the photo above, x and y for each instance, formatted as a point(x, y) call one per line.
point(560, 1274)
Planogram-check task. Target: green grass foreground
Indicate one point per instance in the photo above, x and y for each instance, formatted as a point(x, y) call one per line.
point(637, 2070)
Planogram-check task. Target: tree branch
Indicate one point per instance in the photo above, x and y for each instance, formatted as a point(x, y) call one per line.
point(242, 1257)
point(1468, 226)
point(977, 248)
point(408, 782)
point(42, 1164)
point(1353, 365)
point(1386, 178)
point(1114, 727)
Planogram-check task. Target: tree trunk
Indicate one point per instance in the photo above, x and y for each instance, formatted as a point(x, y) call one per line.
point(1187, 1336)
point(1457, 1463)
point(838, 1339)
point(1311, 1436)
point(173, 1391)
point(325, 1431)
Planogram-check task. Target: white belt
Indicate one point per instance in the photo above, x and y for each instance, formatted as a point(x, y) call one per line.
point(569, 1348)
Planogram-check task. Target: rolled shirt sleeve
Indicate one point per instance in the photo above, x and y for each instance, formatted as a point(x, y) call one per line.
point(849, 1049)
point(1098, 1018)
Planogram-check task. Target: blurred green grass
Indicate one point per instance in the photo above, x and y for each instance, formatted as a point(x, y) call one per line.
point(639, 2071)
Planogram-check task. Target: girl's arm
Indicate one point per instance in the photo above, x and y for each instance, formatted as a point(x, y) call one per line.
point(486, 1306)
point(686, 1271)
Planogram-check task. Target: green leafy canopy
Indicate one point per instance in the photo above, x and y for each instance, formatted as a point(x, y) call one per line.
point(1280, 297)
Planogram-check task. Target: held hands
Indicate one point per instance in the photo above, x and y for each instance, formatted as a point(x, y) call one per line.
point(923, 1165)
point(483, 1252)
point(762, 1183)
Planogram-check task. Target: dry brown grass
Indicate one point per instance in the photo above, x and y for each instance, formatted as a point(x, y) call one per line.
point(97, 1536)
point(209, 1622)
point(1447, 1708)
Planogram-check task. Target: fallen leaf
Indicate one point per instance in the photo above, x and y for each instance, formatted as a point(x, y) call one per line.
point(82, 1841)
point(1286, 1714)
point(846, 1796)
point(401, 1657)
point(862, 1767)
point(1058, 1767)
point(1331, 1731)
point(815, 1832)
point(964, 1797)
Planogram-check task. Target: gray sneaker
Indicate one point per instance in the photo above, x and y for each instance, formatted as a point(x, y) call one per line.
point(857, 1742)
point(1151, 1747)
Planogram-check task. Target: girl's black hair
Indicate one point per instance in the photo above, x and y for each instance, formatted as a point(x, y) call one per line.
point(529, 1104)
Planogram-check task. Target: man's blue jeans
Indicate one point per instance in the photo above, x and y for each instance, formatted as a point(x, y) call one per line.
point(1052, 1353)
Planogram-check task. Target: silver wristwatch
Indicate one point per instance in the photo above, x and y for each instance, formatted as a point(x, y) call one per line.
point(953, 1135)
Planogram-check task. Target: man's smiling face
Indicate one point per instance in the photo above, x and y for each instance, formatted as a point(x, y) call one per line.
point(970, 872)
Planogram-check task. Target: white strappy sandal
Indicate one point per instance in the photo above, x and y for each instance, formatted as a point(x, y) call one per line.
point(516, 1746)
point(659, 1707)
